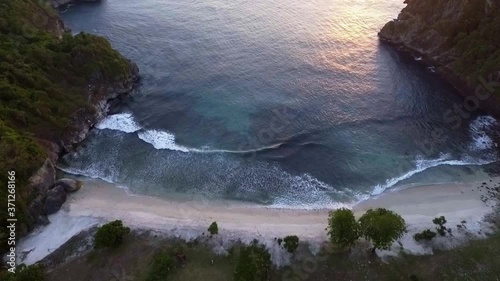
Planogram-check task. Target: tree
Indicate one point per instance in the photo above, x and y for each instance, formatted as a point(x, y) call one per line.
point(111, 234)
point(440, 222)
point(254, 263)
point(424, 235)
point(213, 229)
point(343, 228)
point(291, 243)
point(382, 227)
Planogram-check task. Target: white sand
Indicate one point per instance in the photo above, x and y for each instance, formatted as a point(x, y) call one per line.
point(99, 201)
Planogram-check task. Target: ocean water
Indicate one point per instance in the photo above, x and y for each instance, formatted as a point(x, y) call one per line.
point(283, 103)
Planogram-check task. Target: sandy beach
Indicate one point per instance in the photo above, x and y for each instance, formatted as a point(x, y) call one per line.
point(99, 201)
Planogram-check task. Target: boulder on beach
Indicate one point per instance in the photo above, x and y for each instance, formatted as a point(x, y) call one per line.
point(69, 185)
point(55, 198)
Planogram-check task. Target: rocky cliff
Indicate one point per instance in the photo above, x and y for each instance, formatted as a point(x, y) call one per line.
point(461, 38)
point(53, 88)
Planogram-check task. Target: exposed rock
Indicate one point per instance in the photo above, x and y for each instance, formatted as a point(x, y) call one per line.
point(36, 210)
point(53, 150)
point(55, 198)
point(100, 93)
point(43, 220)
point(43, 179)
point(69, 185)
point(116, 80)
point(459, 38)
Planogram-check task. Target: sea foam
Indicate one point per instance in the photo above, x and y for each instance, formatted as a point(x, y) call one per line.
point(162, 140)
point(424, 164)
point(119, 122)
point(479, 129)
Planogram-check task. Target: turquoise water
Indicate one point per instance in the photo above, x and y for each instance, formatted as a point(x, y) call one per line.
point(284, 103)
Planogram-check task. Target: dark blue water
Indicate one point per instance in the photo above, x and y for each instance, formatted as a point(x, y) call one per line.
point(287, 103)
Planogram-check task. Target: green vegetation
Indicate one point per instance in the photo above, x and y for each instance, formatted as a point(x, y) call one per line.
point(476, 260)
point(440, 222)
point(44, 74)
point(254, 263)
point(213, 229)
point(291, 243)
point(343, 228)
point(426, 235)
point(161, 267)
point(478, 43)
point(382, 227)
point(470, 45)
point(111, 235)
point(25, 273)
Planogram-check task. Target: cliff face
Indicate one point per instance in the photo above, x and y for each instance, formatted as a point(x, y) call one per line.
point(460, 37)
point(53, 88)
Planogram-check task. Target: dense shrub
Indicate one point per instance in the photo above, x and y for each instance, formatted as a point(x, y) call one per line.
point(161, 267)
point(291, 243)
point(111, 234)
point(424, 235)
point(213, 229)
point(254, 263)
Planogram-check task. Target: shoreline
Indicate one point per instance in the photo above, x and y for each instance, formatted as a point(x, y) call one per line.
point(98, 202)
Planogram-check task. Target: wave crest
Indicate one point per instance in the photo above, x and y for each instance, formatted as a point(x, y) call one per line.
point(123, 122)
point(162, 140)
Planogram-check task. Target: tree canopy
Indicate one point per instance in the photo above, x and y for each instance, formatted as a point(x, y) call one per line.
point(343, 228)
point(111, 234)
point(254, 263)
point(382, 227)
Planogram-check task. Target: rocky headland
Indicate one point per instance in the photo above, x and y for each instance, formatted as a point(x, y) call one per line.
point(459, 38)
point(55, 88)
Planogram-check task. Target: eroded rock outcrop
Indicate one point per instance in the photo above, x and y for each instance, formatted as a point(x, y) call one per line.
point(100, 92)
point(43, 179)
point(460, 38)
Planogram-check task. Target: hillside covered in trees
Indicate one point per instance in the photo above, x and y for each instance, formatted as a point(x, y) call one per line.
point(52, 87)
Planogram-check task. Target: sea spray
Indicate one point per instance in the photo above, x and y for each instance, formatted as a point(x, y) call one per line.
point(120, 122)
point(479, 129)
